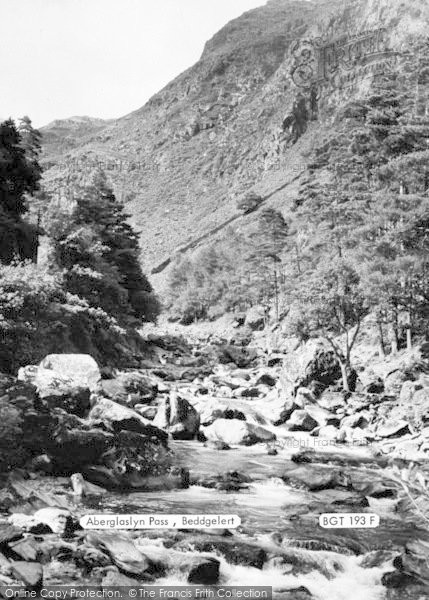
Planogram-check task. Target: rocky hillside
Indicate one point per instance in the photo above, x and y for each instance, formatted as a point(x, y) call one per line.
point(234, 122)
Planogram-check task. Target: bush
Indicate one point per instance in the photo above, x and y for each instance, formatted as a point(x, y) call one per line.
point(37, 317)
point(10, 434)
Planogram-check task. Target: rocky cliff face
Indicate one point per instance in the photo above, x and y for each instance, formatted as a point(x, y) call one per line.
point(235, 121)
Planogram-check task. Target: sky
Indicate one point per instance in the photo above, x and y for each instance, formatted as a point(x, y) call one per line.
point(99, 58)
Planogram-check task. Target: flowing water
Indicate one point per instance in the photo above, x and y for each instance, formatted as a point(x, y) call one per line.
point(334, 562)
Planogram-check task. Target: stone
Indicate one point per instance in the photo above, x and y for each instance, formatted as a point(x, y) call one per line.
point(120, 417)
point(57, 519)
point(82, 488)
point(73, 399)
point(241, 356)
point(217, 445)
point(231, 482)
point(9, 533)
point(304, 396)
point(80, 368)
point(393, 429)
point(286, 412)
point(121, 550)
point(203, 570)
point(88, 557)
point(114, 578)
point(314, 481)
point(331, 401)
point(322, 416)
point(73, 446)
point(301, 421)
point(147, 412)
point(255, 318)
point(235, 432)
point(27, 549)
point(357, 420)
point(129, 388)
point(328, 432)
point(177, 416)
point(313, 362)
point(49, 519)
point(251, 392)
point(30, 573)
point(266, 379)
point(394, 381)
point(41, 463)
point(234, 551)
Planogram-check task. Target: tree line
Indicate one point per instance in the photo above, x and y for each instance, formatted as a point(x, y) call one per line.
point(355, 241)
point(93, 256)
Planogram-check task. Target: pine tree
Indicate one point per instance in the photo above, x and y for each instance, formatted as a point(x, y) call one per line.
point(267, 243)
point(19, 179)
point(99, 252)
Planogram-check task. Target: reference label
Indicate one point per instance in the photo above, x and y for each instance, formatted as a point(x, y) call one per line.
point(348, 520)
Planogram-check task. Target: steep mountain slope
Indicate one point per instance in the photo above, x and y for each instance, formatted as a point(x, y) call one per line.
point(233, 122)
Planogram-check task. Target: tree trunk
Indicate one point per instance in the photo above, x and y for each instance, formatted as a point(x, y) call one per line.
point(393, 338)
point(344, 373)
point(409, 337)
point(276, 293)
point(382, 347)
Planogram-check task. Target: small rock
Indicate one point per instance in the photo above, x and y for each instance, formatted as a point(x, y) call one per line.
point(30, 573)
point(179, 417)
point(204, 570)
point(114, 578)
point(301, 421)
point(266, 379)
point(392, 430)
point(235, 432)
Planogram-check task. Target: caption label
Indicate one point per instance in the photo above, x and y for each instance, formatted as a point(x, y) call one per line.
point(156, 521)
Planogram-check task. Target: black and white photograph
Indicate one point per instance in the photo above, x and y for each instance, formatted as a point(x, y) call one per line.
point(214, 299)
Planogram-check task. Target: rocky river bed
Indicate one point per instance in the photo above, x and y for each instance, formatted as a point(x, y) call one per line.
point(218, 429)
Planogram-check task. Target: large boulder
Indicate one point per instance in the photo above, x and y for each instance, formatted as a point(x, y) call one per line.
point(122, 550)
point(414, 401)
point(116, 417)
point(58, 391)
point(80, 368)
point(177, 416)
point(123, 446)
point(26, 423)
point(129, 389)
point(301, 420)
point(241, 356)
point(286, 412)
point(393, 429)
point(235, 432)
point(213, 409)
point(255, 318)
point(64, 381)
point(312, 364)
point(332, 401)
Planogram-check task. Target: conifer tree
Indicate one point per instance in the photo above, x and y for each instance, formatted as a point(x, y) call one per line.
point(19, 179)
point(99, 252)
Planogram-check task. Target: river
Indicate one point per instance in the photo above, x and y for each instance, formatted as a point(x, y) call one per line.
point(340, 564)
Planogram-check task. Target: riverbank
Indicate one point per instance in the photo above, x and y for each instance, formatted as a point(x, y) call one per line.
point(217, 427)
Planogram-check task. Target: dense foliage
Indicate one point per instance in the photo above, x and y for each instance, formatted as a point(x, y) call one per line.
point(91, 290)
point(19, 177)
point(231, 275)
point(357, 238)
point(98, 252)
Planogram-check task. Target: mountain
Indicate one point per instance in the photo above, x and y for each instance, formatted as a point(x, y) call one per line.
point(239, 120)
point(63, 135)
